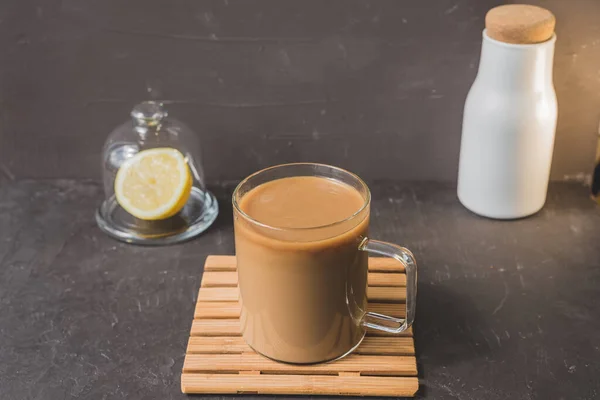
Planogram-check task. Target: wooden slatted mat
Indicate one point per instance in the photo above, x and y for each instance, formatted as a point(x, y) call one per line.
point(218, 360)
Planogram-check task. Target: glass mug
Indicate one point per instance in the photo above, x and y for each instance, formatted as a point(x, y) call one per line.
point(303, 291)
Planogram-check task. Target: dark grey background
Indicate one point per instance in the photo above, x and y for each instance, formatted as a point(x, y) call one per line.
point(374, 86)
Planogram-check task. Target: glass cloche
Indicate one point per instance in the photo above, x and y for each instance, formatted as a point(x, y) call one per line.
point(153, 181)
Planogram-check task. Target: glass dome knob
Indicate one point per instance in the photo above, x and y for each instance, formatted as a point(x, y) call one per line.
point(149, 113)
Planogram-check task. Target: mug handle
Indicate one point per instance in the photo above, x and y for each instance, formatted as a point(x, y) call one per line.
point(407, 259)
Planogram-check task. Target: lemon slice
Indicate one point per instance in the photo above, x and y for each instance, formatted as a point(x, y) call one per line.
point(154, 184)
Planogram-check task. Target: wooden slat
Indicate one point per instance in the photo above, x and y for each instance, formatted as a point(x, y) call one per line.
point(397, 310)
point(299, 385)
point(386, 279)
point(249, 372)
point(216, 345)
point(231, 327)
point(376, 264)
point(384, 264)
point(349, 373)
point(221, 278)
point(366, 365)
point(218, 294)
point(386, 294)
point(215, 327)
point(220, 263)
point(219, 309)
point(382, 294)
point(231, 309)
point(229, 279)
point(374, 332)
point(399, 346)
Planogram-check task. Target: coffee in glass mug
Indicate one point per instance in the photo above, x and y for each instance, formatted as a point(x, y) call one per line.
point(302, 246)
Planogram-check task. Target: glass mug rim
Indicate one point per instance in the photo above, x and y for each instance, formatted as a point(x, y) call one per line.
point(238, 209)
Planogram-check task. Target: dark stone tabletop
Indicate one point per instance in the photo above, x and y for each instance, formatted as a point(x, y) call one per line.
point(507, 310)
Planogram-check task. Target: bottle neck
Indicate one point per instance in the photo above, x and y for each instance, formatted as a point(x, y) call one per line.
point(516, 66)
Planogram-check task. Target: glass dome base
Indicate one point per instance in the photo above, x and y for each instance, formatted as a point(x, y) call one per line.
point(199, 213)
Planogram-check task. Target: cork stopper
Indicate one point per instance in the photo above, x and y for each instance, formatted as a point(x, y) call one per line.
point(520, 24)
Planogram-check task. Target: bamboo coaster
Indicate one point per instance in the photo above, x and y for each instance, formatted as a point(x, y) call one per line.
point(218, 361)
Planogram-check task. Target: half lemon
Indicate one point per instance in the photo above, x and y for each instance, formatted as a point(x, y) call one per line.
point(154, 184)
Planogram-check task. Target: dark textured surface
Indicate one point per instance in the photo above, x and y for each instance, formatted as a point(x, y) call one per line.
point(507, 310)
point(376, 86)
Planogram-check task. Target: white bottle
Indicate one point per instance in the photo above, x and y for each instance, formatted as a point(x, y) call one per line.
point(508, 129)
